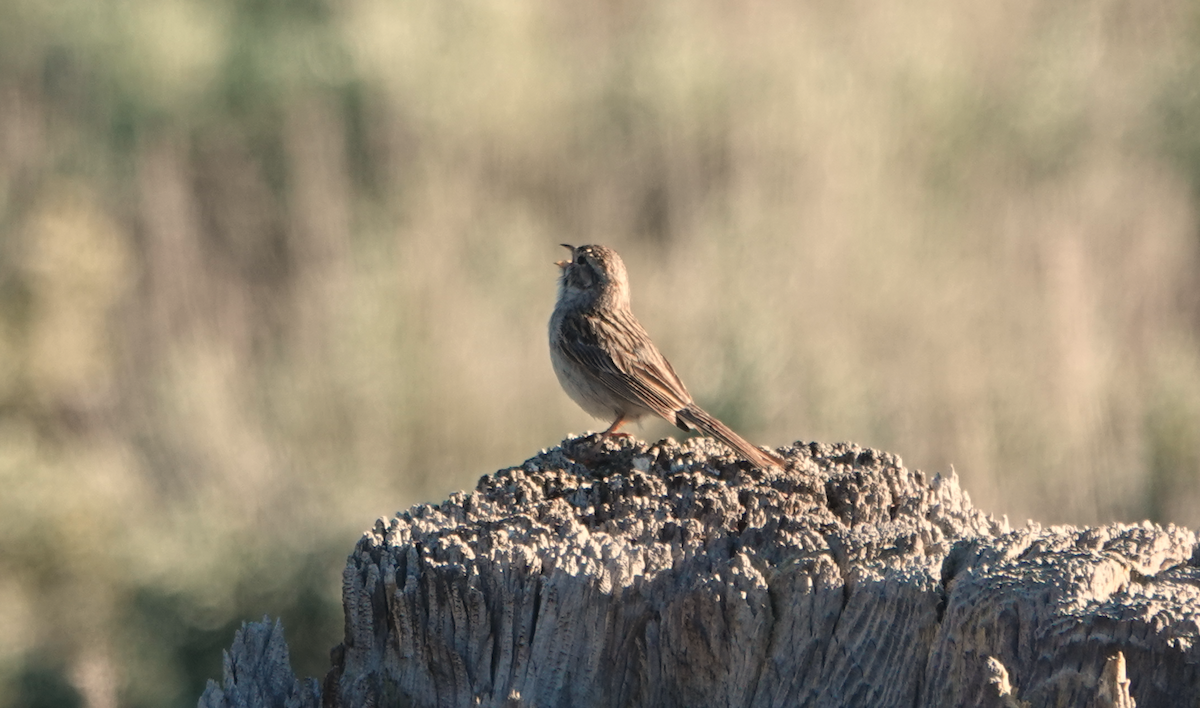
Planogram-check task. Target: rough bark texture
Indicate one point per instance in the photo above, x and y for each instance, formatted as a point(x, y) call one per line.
point(673, 575)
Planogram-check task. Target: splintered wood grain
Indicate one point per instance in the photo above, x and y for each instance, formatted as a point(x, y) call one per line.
point(257, 673)
point(1058, 603)
point(673, 575)
point(660, 575)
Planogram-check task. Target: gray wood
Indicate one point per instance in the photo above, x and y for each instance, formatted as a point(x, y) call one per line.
point(258, 673)
point(674, 575)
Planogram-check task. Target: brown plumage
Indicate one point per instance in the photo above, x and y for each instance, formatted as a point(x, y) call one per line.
point(607, 363)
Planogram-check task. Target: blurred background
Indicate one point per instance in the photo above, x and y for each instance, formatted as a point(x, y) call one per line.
point(270, 270)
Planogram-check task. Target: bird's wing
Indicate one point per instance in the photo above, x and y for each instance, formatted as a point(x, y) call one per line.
point(625, 360)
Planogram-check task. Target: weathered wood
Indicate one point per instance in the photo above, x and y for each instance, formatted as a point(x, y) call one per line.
point(673, 575)
point(258, 673)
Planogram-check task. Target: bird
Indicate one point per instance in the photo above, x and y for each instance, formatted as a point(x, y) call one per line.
point(607, 363)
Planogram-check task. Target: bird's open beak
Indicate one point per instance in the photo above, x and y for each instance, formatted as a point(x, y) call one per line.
point(564, 264)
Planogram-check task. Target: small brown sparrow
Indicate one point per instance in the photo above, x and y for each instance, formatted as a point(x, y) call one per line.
point(606, 362)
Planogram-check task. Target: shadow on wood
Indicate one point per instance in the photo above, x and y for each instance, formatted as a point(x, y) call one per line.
point(672, 574)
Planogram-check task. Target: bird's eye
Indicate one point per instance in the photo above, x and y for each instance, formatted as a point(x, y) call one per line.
point(581, 260)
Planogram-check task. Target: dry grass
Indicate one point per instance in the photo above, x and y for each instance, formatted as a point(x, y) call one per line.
point(268, 271)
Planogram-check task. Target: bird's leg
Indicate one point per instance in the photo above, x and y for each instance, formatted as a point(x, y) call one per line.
point(612, 429)
point(597, 441)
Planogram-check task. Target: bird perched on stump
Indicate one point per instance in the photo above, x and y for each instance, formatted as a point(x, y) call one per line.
point(607, 363)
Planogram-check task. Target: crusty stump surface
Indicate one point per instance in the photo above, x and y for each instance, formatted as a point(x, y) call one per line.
point(666, 574)
point(674, 575)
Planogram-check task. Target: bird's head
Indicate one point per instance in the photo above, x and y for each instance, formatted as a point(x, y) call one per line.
point(594, 272)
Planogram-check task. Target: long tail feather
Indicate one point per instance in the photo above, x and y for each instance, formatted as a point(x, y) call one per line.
point(705, 423)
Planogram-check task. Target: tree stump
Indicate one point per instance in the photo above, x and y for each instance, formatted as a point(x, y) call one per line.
point(632, 574)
